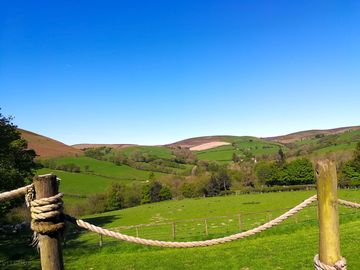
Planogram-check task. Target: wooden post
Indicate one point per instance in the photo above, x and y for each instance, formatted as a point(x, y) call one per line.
point(206, 228)
point(240, 224)
point(174, 230)
point(50, 243)
point(137, 231)
point(100, 240)
point(329, 240)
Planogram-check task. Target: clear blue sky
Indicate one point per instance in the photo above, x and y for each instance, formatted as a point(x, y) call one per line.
point(153, 72)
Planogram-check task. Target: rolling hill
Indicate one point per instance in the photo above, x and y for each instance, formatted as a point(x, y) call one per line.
point(46, 147)
point(307, 134)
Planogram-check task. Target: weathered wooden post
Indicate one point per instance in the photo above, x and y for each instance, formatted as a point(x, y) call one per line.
point(174, 230)
point(329, 240)
point(240, 223)
point(206, 227)
point(100, 240)
point(48, 232)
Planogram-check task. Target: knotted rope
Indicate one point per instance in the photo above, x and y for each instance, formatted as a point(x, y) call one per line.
point(47, 214)
point(339, 265)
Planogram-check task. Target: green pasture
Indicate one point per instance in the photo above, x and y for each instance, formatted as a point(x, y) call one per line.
point(290, 245)
point(159, 151)
point(106, 168)
point(253, 145)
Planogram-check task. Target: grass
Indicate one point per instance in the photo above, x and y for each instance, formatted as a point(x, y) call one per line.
point(290, 245)
point(97, 180)
point(106, 169)
point(253, 145)
point(159, 151)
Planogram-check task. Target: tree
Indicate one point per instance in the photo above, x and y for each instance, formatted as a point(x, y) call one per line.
point(219, 181)
point(281, 159)
point(350, 171)
point(235, 157)
point(155, 192)
point(184, 155)
point(16, 161)
point(299, 172)
point(266, 172)
point(115, 196)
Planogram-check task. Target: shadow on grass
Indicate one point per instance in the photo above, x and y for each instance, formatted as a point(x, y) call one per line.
point(16, 251)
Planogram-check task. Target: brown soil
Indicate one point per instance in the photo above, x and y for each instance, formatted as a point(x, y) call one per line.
point(206, 146)
point(46, 147)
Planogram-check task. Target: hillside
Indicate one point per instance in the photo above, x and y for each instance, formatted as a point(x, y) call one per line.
point(82, 146)
point(46, 147)
point(307, 134)
point(192, 142)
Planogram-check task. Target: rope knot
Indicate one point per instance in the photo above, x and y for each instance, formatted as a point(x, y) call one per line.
point(47, 214)
point(339, 265)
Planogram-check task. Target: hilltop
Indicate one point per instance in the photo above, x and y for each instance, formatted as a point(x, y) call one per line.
point(307, 134)
point(47, 147)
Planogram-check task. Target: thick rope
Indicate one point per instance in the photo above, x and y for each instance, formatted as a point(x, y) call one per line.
point(349, 204)
point(8, 195)
point(339, 265)
point(204, 243)
point(46, 208)
point(47, 214)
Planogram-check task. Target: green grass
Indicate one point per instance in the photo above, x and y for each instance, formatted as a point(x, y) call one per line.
point(100, 177)
point(290, 245)
point(159, 151)
point(107, 169)
point(254, 145)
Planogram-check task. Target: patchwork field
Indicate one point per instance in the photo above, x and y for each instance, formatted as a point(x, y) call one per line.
point(240, 146)
point(290, 245)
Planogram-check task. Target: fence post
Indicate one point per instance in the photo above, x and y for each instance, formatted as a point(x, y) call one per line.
point(100, 240)
point(206, 227)
point(174, 230)
point(329, 241)
point(49, 243)
point(137, 231)
point(240, 223)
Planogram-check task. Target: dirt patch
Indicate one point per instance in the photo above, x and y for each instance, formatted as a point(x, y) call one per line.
point(206, 146)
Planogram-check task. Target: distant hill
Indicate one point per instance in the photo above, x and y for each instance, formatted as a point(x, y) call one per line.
point(218, 147)
point(82, 146)
point(46, 147)
point(307, 134)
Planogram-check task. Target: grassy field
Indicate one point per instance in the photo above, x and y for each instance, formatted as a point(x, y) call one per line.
point(159, 151)
point(106, 169)
point(97, 180)
point(250, 144)
point(290, 245)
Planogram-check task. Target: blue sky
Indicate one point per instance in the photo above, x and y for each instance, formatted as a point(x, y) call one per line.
point(153, 72)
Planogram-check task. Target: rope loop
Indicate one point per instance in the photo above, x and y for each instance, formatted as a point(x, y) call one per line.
point(339, 265)
point(47, 214)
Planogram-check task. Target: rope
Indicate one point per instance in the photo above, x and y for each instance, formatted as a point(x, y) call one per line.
point(46, 208)
point(47, 214)
point(339, 265)
point(149, 242)
point(8, 195)
point(349, 204)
